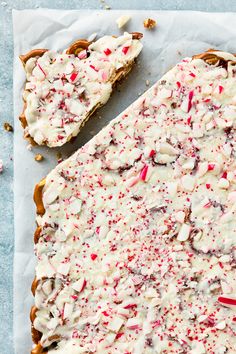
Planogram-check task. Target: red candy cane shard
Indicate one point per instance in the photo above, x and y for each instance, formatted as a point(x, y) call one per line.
point(227, 300)
point(143, 173)
point(190, 97)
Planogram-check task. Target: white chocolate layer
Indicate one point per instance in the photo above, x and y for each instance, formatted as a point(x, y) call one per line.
point(137, 252)
point(63, 89)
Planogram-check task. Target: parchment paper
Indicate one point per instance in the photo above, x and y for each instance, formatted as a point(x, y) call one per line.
point(177, 34)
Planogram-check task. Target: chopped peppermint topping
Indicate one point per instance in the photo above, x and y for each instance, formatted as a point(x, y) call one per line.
point(139, 232)
point(63, 89)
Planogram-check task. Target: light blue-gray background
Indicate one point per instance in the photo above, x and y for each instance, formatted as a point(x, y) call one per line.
point(6, 114)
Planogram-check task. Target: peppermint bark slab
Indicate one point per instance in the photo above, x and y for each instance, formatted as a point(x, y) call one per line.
point(137, 231)
point(64, 89)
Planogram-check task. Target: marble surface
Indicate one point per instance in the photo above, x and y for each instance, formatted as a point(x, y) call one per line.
point(6, 115)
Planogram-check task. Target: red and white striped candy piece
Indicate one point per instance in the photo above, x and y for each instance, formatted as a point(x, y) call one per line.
point(227, 301)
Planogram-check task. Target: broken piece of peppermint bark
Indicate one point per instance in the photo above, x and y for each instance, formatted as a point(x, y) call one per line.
point(64, 89)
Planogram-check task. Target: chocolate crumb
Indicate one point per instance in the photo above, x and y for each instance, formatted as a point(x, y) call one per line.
point(38, 157)
point(8, 127)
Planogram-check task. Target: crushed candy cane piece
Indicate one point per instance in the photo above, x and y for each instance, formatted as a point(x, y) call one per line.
point(93, 256)
point(227, 301)
point(73, 76)
point(107, 51)
point(224, 175)
point(143, 173)
point(115, 324)
point(221, 88)
point(93, 67)
point(202, 318)
point(210, 166)
point(79, 285)
point(190, 97)
point(125, 50)
point(40, 67)
point(133, 323)
point(152, 153)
